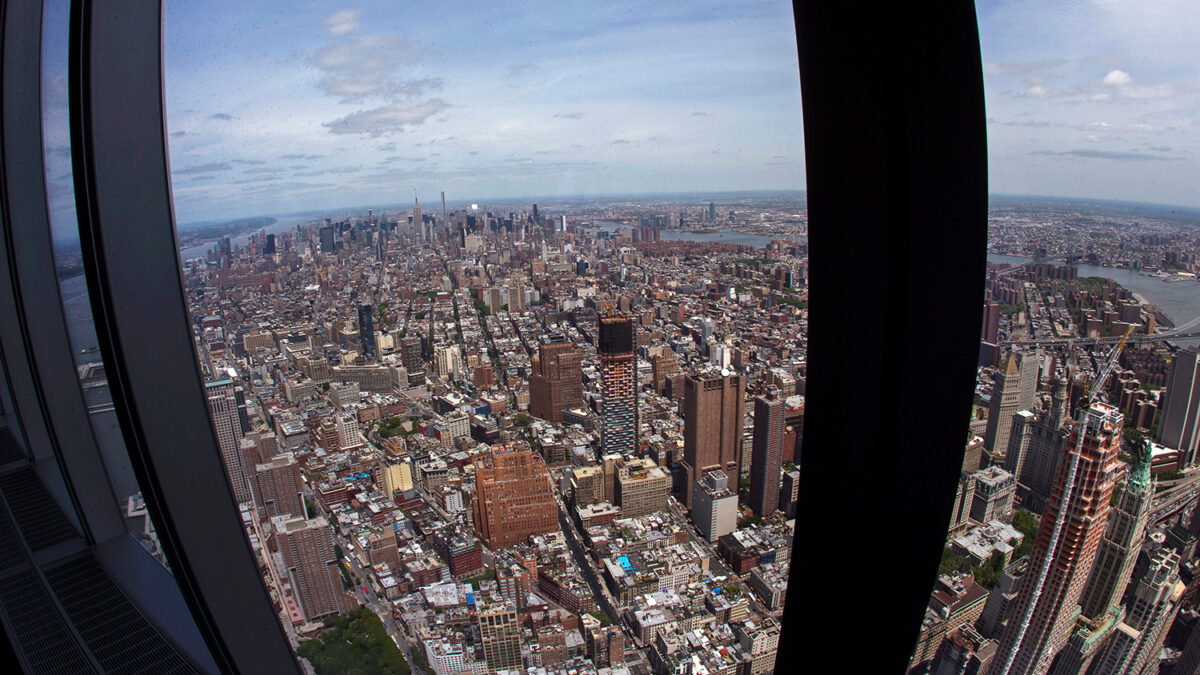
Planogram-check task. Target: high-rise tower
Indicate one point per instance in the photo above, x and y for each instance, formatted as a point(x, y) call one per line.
point(1071, 529)
point(618, 385)
point(1180, 423)
point(366, 331)
point(766, 459)
point(1121, 543)
point(1138, 639)
point(310, 565)
point(557, 380)
point(223, 409)
point(713, 407)
point(513, 498)
point(500, 637)
point(1100, 608)
point(1014, 390)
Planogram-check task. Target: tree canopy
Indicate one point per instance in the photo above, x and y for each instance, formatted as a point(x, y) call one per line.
point(355, 642)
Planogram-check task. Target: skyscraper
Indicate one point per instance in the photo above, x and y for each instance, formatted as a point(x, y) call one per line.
point(1014, 390)
point(500, 635)
point(513, 498)
point(1121, 543)
point(618, 385)
point(1100, 603)
point(410, 354)
point(1138, 639)
point(310, 565)
point(366, 331)
point(1071, 528)
point(605, 645)
point(1040, 445)
point(713, 407)
point(557, 380)
point(766, 459)
point(1179, 426)
point(223, 409)
point(327, 233)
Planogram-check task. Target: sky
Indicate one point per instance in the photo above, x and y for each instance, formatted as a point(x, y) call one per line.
point(280, 107)
point(1093, 98)
point(326, 105)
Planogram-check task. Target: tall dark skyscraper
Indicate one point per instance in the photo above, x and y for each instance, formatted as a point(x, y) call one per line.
point(557, 380)
point(269, 245)
point(366, 331)
point(410, 354)
point(618, 385)
point(766, 460)
point(1179, 426)
point(712, 211)
point(713, 407)
point(327, 239)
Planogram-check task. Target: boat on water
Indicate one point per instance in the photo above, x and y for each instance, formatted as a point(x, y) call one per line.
point(1179, 276)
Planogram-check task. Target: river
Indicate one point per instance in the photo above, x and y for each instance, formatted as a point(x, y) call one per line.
point(282, 224)
point(1180, 301)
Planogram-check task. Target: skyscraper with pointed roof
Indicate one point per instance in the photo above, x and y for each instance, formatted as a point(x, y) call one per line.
point(1013, 391)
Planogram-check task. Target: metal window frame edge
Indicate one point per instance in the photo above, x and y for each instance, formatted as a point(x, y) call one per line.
point(127, 231)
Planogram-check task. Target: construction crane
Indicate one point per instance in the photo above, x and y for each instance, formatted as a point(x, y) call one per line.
point(1065, 501)
point(609, 308)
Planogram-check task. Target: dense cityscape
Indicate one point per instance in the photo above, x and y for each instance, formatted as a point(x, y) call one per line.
point(568, 438)
point(563, 440)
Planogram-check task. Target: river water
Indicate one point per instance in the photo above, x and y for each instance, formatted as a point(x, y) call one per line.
point(282, 224)
point(1180, 301)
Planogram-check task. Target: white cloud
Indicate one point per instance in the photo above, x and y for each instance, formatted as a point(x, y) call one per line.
point(343, 22)
point(1117, 78)
point(1157, 91)
point(370, 53)
point(366, 66)
point(388, 119)
point(1036, 90)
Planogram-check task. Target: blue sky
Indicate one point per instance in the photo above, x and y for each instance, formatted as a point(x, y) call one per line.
point(326, 105)
point(1093, 98)
point(292, 106)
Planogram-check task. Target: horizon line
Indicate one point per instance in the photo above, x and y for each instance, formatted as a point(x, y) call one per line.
point(713, 195)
